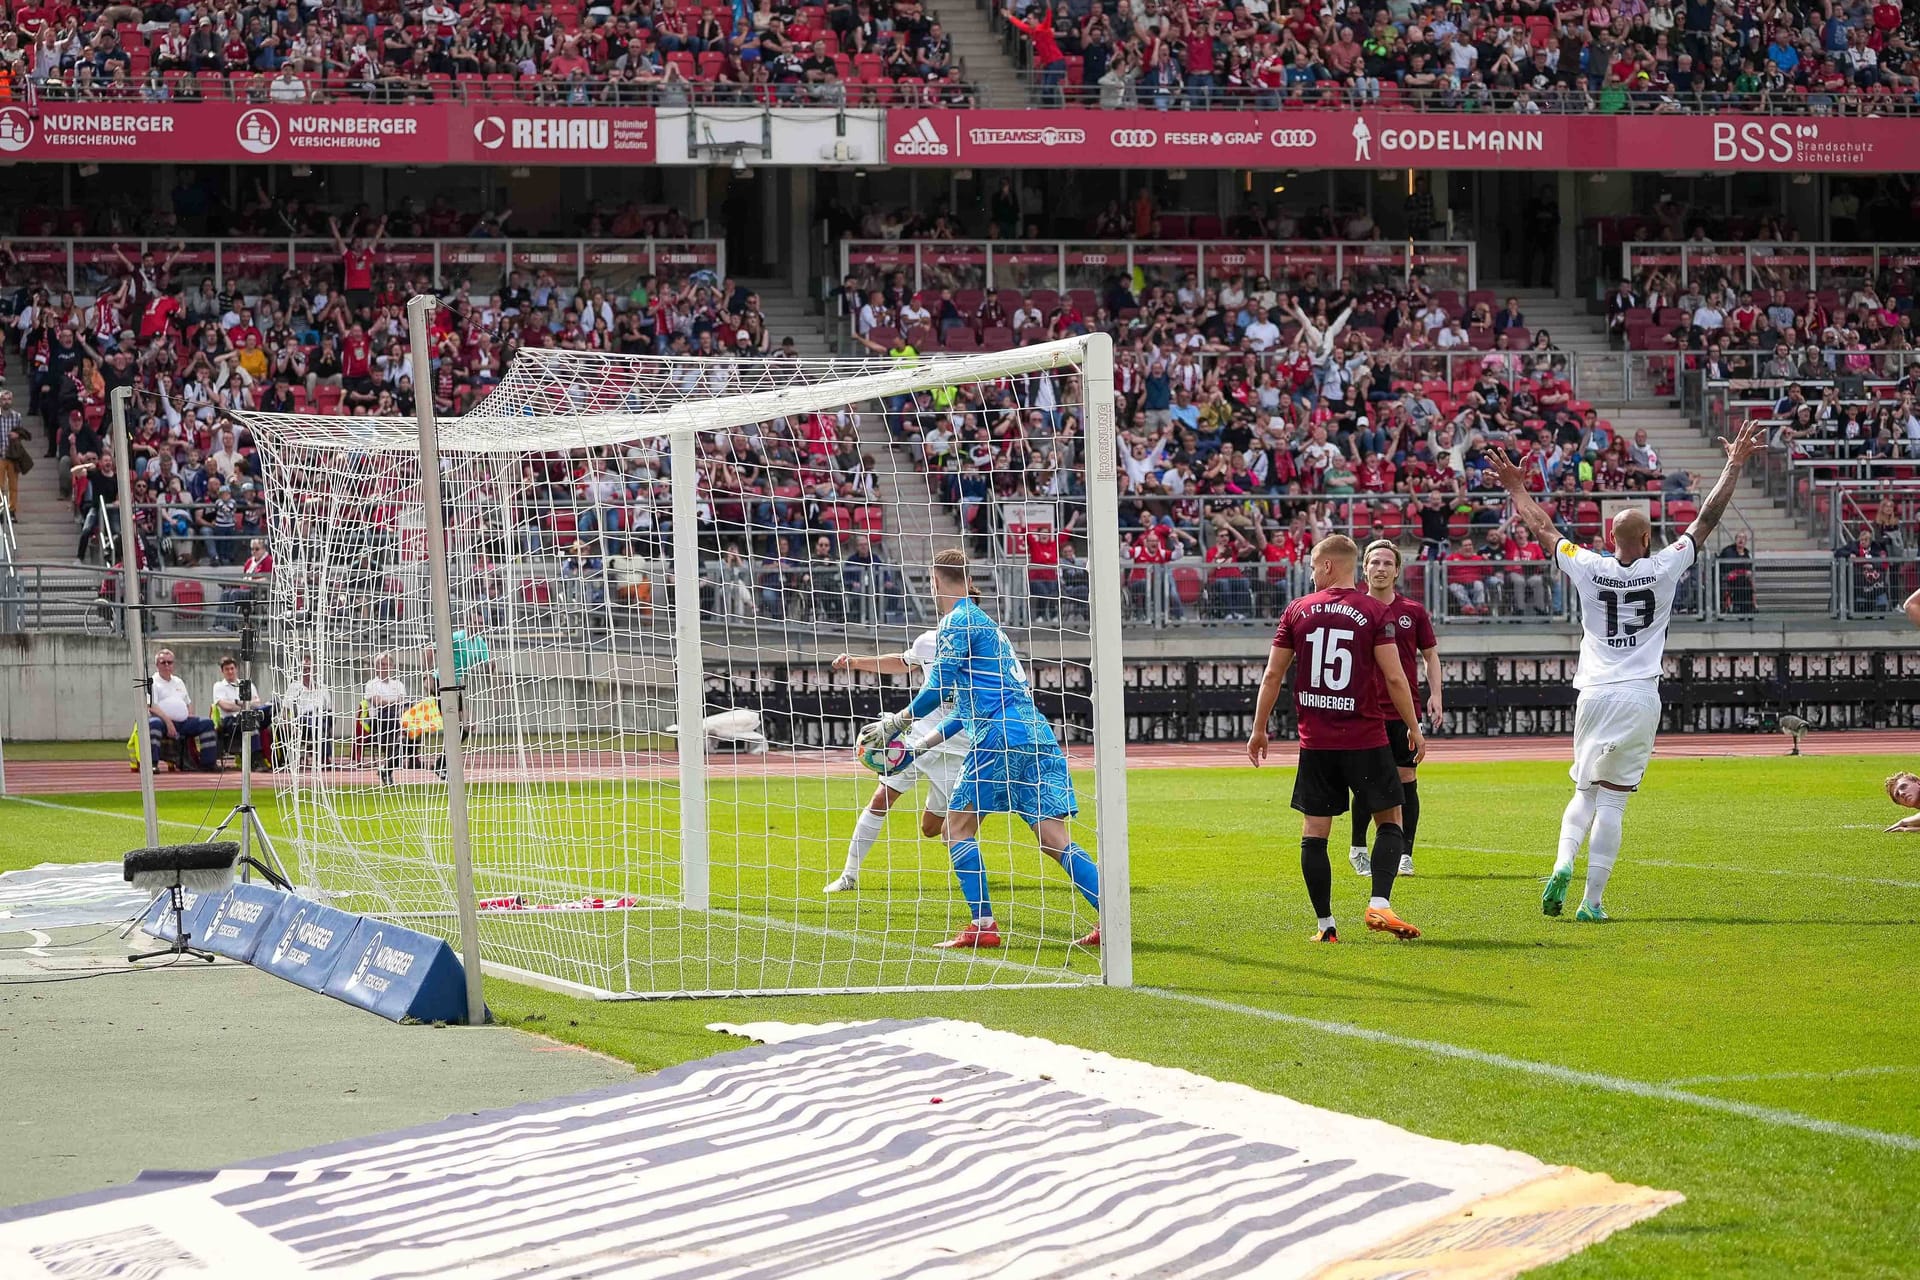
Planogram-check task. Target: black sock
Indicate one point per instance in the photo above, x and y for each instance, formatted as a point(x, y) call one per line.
point(1319, 874)
point(1360, 820)
point(1409, 813)
point(1386, 859)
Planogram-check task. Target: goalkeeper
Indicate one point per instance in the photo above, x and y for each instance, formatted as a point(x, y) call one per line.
point(1015, 766)
point(936, 757)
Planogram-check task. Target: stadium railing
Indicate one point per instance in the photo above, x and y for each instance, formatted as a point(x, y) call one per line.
point(1087, 266)
point(1809, 477)
point(1829, 270)
point(695, 87)
point(246, 265)
point(1075, 90)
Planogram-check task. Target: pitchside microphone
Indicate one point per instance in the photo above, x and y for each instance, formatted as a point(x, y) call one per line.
point(173, 869)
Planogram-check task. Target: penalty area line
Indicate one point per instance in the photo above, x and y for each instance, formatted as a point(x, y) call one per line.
point(1546, 1070)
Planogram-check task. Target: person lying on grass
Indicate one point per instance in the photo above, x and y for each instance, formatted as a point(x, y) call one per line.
point(1904, 790)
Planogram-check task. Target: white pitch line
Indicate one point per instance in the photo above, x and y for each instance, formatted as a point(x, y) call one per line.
point(40, 942)
point(93, 813)
point(1796, 1075)
point(1550, 1071)
point(1546, 858)
point(1773, 871)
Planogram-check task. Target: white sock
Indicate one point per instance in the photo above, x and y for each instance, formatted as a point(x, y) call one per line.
point(866, 830)
point(1605, 845)
point(1378, 904)
point(1573, 829)
point(1326, 922)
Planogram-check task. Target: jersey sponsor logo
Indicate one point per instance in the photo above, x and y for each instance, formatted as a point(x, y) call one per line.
point(1345, 610)
point(1326, 702)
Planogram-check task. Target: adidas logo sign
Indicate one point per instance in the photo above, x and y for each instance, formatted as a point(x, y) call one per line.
point(921, 140)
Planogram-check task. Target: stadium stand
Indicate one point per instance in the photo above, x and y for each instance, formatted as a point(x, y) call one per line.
point(560, 52)
point(1609, 57)
point(1260, 412)
point(325, 333)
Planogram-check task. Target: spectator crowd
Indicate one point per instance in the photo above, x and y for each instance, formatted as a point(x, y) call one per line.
point(558, 52)
point(1257, 415)
point(1512, 56)
point(789, 493)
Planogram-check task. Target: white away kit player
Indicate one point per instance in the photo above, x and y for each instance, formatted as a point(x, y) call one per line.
point(1626, 600)
point(938, 764)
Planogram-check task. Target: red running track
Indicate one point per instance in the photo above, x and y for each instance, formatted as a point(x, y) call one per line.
point(72, 777)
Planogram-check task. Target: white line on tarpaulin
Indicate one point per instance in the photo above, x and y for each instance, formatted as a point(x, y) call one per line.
point(1550, 1071)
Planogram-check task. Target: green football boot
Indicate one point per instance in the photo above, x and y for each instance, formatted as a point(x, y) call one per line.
point(1555, 896)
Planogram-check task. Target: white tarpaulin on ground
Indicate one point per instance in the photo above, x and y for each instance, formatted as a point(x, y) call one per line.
point(51, 896)
point(874, 1150)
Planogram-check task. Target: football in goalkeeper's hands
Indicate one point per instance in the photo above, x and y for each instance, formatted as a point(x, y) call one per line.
point(885, 758)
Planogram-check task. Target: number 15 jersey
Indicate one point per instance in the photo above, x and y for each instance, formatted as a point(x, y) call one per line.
point(1624, 610)
point(1336, 682)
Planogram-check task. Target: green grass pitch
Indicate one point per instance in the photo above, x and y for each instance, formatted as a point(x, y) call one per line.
point(1764, 954)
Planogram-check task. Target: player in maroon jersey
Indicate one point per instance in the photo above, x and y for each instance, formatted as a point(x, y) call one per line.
point(1413, 636)
point(1345, 639)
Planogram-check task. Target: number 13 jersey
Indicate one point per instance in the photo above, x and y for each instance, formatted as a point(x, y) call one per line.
point(1624, 611)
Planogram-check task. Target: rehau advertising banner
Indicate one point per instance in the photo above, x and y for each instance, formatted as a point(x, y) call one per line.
point(1144, 139)
point(268, 133)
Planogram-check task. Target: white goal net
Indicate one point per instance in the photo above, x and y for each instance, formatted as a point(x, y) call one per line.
point(659, 794)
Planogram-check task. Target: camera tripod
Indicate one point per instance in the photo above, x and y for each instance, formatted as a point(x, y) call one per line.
point(248, 724)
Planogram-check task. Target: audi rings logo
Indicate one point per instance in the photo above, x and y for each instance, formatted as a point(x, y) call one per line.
point(1135, 138)
point(1293, 138)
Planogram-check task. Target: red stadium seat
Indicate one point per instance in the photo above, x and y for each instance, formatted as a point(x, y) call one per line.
point(189, 600)
point(1187, 583)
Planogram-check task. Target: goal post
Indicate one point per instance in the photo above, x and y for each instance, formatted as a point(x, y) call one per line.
point(651, 565)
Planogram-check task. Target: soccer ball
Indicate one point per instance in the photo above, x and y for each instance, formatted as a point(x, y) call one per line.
point(884, 757)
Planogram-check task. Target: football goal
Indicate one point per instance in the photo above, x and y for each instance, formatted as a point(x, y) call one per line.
point(653, 569)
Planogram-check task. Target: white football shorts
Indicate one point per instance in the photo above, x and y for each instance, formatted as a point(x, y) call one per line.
point(941, 769)
point(1613, 731)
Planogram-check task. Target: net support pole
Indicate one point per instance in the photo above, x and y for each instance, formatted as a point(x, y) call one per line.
point(689, 671)
point(452, 696)
point(132, 616)
point(1109, 698)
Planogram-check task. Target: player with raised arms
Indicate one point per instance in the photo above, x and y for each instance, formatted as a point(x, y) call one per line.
point(1413, 637)
point(1346, 638)
point(1014, 766)
point(1626, 601)
point(937, 761)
